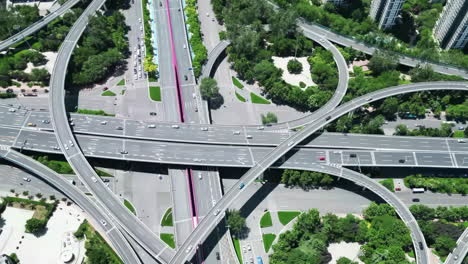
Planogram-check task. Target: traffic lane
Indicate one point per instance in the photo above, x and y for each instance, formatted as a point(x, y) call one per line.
point(35, 140)
point(432, 199)
point(434, 159)
point(41, 120)
point(461, 159)
point(15, 119)
point(392, 158)
point(380, 142)
point(182, 212)
point(166, 68)
point(8, 135)
point(99, 124)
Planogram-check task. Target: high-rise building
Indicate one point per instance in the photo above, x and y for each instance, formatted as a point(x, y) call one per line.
point(385, 11)
point(451, 30)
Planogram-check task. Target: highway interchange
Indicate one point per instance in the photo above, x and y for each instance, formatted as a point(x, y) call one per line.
point(72, 151)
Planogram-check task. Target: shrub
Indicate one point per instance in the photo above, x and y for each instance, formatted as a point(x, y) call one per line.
point(294, 66)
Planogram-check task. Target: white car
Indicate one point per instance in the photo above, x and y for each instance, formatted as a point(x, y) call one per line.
point(236, 133)
point(139, 74)
point(139, 19)
point(460, 140)
point(11, 110)
point(217, 212)
point(199, 175)
point(141, 28)
point(204, 129)
point(103, 222)
point(104, 123)
point(260, 127)
point(26, 179)
point(94, 179)
point(152, 126)
point(135, 77)
point(188, 249)
point(290, 143)
point(175, 126)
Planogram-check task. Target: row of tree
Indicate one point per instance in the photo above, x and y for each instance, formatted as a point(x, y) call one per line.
point(443, 185)
point(306, 179)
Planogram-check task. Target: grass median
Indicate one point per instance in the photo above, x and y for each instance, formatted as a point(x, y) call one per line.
point(155, 93)
point(130, 207)
point(168, 239)
point(167, 218)
point(268, 241)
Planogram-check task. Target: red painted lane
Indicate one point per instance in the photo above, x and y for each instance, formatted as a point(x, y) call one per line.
point(174, 65)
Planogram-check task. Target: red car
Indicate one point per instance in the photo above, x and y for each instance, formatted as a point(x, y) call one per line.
point(105, 89)
point(397, 189)
point(322, 158)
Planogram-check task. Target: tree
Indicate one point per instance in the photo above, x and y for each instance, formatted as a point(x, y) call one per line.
point(236, 222)
point(209, 88)
point(294, 66)
point(422, 212)
point(382, 62)
point(444, 245)
point(344, 260)
point(375, 210)
point(389, 108)
point(40, 75)
point(34, 225)
point(149, 66)
point(269, 118)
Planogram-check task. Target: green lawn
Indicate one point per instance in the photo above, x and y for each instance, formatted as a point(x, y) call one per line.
point(167, 218)
point(257, 99)
point(266, 220)
point(238, 249)
point(240, 98)
point(130, 206)
point(237, 83)
point(155, 93)
point(108, 93)
point(168, 239)
point(103, 173)
point(459, 134)
point(121, 83)
point(286, 216)
point(268, 241)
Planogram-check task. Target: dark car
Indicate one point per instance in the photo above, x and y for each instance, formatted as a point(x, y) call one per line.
point(416, 200)
point(352, 155)
point(328, 118)
point(153, 113)
point(401, 161)
point(119, 128)
point(217, 256)
point(421, 247)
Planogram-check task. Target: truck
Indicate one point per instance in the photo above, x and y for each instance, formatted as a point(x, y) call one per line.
point(418, 190)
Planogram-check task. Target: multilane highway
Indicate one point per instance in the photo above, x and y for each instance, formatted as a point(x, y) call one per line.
point(446, 154)
point(70, 148)
point(188, 133)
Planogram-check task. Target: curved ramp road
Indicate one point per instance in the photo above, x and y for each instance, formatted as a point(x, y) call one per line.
point(121, 245)
point(366, 48)
point(460, 252)
point(210, 221)
point(38, 25)
point(391, 199)
point(213, 58)
point(131, 224)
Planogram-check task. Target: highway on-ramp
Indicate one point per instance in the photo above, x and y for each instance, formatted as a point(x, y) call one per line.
point(460, 252)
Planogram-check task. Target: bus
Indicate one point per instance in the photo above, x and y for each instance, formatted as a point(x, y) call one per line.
point(418, 190)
